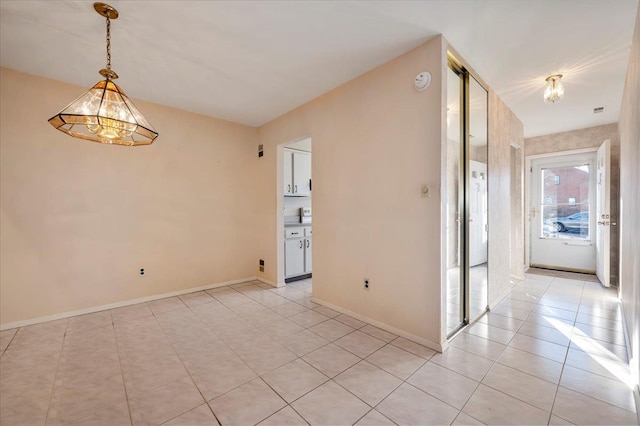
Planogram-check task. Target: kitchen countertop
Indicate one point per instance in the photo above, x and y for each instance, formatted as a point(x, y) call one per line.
point(292, 224)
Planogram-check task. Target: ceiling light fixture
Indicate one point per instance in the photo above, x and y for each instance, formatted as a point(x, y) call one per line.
point(105, 114)
point(554, 90)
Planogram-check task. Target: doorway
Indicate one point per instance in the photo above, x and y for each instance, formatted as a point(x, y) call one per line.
point(296, 185)
point(563, 212)
point(466, 253)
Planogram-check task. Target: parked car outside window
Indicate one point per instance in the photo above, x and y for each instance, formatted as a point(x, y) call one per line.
point(572, 223)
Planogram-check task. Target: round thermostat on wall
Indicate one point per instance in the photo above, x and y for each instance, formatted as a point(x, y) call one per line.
point(422, 81)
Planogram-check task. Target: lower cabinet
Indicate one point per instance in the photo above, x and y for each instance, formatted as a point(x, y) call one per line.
point(307, 255)
point(297, 252)
point(294, 257)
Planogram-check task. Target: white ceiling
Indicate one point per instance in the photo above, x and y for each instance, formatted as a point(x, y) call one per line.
point(252, 61)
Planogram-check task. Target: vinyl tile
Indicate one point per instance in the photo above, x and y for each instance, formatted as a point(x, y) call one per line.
point(368, 382)
point(410, 406)
point(233, 408)
point(444, 384)
point(493, 407)
point(330, 404)
point(582, 410)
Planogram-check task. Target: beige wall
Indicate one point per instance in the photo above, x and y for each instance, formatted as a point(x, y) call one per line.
point(630, 202)
point(516, 192)
point(505, 129)
point(78, 219)
point(375, 141)
point(199, 207)
point(591, 137)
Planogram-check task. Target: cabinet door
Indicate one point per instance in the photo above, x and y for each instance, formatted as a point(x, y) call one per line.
point(301, 173)
point(307, 255)
point(293, 257)
point(288, 173)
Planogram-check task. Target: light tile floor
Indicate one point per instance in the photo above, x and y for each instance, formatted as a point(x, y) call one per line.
point(551, 353)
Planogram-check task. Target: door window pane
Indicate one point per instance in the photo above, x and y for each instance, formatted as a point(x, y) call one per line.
point(565, 203)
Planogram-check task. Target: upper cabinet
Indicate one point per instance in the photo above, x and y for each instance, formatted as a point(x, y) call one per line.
point(297, 173)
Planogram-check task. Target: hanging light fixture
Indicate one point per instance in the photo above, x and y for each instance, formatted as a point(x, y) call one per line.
point(554, 90)
point(105, 114)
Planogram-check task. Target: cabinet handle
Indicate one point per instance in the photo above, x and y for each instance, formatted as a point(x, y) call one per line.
point(307, 243)
point(294, 233)
point(295, 189)
point(289, 189)
point(300, 243)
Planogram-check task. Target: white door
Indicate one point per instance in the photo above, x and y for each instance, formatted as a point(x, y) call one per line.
point(478, 218)
point(288, 173)
point(302, 173)
point(604, 214)
point(562, 212)
point(293, 257)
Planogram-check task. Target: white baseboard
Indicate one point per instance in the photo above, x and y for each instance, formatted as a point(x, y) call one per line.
point(499, 298)
point(271, 283)
point(636, 396)
point(631, 355)
point(32, 321)
point(517, 277)
point(386, 327)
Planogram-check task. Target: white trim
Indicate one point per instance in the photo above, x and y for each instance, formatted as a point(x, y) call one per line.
point(528, 159)
point(62, 315)
point(527, 195)
point(631, 355)
point(636, 396)
point(386, 327)
point(561, 153)
point(271, 283)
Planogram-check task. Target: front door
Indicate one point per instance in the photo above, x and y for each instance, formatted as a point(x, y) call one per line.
point(563, 212)
point(604, 213)
point(478, 218)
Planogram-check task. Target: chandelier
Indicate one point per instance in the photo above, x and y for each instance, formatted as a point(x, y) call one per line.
point(105, 114)
point(554, 90)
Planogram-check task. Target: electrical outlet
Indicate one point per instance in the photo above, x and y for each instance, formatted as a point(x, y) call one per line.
point(261, 265)
point(141, 272)
point(366, 283)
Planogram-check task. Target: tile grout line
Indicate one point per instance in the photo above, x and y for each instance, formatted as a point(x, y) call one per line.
point(332, 379)
point(564, 362)
point(11, 341)
point(53, 385)
point(329, 379)
point(494, 362)
point(124, 383)
point(185, 367)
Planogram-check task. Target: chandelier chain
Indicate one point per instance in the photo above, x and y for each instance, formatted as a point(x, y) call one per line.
point(108, 43)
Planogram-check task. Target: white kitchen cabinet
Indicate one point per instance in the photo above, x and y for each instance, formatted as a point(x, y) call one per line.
point(294, 257)
point(307, 255)
point(297, 251)
point(297, 173)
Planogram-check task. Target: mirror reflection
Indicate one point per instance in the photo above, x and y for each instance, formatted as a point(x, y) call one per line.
point(478, 200)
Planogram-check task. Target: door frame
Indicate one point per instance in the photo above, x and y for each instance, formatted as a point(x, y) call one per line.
point(527, 193)
point(466, 73)
point(280, 208)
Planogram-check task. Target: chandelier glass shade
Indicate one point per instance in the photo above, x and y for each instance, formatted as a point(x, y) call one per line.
point(105, 114)
point(554, 90)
